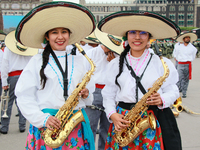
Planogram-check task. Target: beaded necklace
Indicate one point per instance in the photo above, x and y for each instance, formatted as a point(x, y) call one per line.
point(59, 80)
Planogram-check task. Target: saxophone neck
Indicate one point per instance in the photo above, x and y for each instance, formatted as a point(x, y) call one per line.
point(83, 52)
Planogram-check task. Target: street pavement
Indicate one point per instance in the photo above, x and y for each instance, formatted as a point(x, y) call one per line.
point(189, 124)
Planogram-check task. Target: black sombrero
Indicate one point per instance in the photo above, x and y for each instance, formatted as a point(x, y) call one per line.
point(120, 22)
point(77, 18)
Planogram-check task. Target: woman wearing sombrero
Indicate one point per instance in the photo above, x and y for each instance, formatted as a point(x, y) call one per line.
point(51, 77)
point(131, 75)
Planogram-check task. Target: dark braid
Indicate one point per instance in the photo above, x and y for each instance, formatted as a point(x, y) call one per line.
point(121, 62)
point(45, 60)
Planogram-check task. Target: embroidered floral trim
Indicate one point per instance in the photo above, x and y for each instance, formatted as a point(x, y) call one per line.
point(136, 66)
point(59, 80)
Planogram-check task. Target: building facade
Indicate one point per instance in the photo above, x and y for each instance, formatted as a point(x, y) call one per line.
point(17, 8)
point(185, 13)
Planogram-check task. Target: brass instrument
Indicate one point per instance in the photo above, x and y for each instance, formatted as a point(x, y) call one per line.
point(4, 102)
point(179, 107)
point(138, 124)
point(65, 114)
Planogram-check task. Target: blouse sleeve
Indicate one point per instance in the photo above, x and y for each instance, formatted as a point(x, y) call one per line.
point(169, 88)
point(110, 89)
point(25, 92)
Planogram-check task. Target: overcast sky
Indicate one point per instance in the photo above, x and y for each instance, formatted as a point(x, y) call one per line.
point(91, 1)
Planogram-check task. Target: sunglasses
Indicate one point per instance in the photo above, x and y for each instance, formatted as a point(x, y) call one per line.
point(143, 34)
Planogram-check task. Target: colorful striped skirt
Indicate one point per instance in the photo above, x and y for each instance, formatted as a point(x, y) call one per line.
point(149, 139)
point(75, 141)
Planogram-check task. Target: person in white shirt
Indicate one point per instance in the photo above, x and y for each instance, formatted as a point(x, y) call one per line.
point(1, 57)
point(101, 56)
point(174, 53)
point(185, 53)
point(11, 68)
point(14, 60)
point(87, 43)
point(131, 75)
point(52, 77)
point(149, 48)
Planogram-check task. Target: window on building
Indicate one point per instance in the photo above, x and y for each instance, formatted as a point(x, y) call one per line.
point(129, 8)
point(181, 23)
point(190, 8)
point(96, 9)
point(149, 8)
point(163, 8)
point(181, 8)
point(101, 8)
point(172, 16)
point(156, 8)
point(189, 16)
point(181, 16)
point(101, 17)
point(119, 9)
point(110, 9)
point(172, 8)
point(190, 23)
point(142, 8)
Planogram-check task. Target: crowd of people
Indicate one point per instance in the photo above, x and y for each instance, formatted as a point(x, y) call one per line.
point(43, 71)
point(167, 46)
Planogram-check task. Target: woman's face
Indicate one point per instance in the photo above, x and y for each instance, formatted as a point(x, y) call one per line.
point(138, 39)
point(58, 38)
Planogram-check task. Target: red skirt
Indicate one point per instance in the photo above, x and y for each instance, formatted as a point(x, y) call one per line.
point(149, 139)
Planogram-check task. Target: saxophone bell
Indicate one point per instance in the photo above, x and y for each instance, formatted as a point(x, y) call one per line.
point(4, 102)
point(179, 108)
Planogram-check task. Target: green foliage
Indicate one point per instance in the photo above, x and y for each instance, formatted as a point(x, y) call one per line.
point(187, 28)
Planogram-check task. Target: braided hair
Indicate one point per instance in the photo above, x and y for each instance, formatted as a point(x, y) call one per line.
point(121, 62)
point(45, 60)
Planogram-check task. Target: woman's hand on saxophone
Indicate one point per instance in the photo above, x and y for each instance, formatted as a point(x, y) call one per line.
point(119, 122)
point(155, 99)
point(53, 123)
point(84, 93)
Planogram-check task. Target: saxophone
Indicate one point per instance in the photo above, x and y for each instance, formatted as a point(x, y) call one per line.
point(138, 124)
point(179, 107)
point(65, 114)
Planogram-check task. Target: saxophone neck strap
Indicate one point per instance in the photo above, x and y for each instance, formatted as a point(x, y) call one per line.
point(137, 78)
point(64, 74)
point(73, 51)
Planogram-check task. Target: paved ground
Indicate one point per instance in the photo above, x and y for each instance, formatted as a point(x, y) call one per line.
point(189, 124)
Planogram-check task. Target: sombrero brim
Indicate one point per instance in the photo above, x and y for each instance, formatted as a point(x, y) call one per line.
point(32, 28)
point(106, 41)
point(193, 37)
point(90, 41)
point(17, 48)
point(120, 22)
